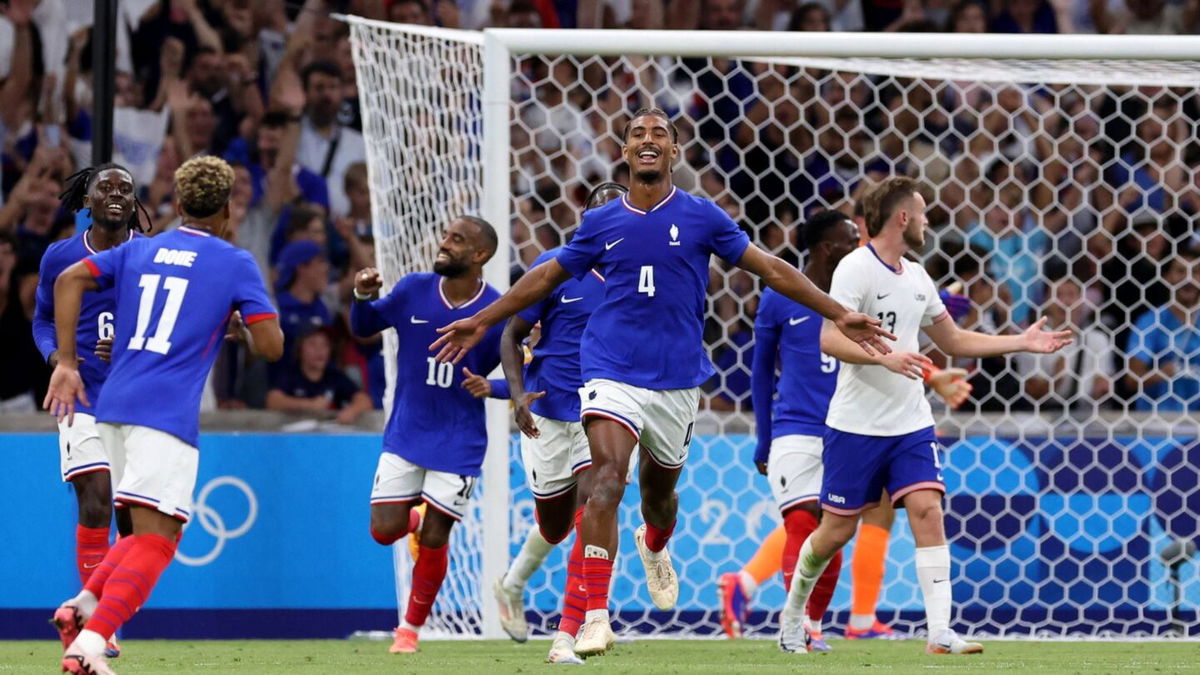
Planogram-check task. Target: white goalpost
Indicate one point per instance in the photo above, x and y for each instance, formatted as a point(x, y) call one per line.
point(1049, 161)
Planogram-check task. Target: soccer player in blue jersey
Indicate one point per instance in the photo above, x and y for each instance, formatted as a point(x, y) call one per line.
point(554, 448)
point(175, 294)
point(108, 191)
point(643, 356)
point(436, 436)
point(881, 433)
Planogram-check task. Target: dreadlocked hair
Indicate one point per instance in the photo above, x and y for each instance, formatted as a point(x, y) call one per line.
point(76, 186)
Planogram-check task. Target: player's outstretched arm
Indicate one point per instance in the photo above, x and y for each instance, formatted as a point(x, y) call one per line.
point(861, 329)
point(365, 319)
point(912, 365)
point(459, 337)
point(957, 341)
point(66, 386)
point(512, 359)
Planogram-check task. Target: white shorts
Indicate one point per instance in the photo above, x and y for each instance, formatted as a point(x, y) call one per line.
point(553, 459)
point(79, 448)
point(660, 420)
point(151, 468)
point(398, 481)
point(794, 470)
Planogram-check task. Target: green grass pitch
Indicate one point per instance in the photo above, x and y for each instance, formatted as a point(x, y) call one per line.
point(645, 656)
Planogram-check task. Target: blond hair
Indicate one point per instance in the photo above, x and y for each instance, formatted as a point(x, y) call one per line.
point(882, 200)
point(203, 185)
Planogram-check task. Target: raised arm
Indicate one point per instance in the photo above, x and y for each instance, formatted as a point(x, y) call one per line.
point(365, 319)
point(459, 337)
point(787, 280)
point(66, 386)
point(957, 341)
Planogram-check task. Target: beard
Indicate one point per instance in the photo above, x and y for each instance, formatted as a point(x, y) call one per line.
point(451, 268)
point(649, 175)
point(914, 239)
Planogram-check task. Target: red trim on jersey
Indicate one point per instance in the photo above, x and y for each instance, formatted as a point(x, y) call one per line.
point(940, 317)
point(923, 485)
point(662, 202)
point(446, 301)
point(221, 328)
point(598, 276)
point(92, 268)
point(849, 512)
point(255, 318)
point(191, 230)
point(88, 245)
point(623, 423)
point(72, 475)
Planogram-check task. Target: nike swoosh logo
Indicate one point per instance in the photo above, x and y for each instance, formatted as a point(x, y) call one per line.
point(880, 296)
point(798, 321)
point(567, 301)
point(940, 581)
point(90, 567)
point(416, 320)
point(609, 244)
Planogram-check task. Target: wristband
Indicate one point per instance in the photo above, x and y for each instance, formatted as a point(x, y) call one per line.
point(362, 296)
point(933, 370)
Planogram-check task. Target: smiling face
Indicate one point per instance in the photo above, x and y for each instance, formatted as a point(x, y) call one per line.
point(650, 148)
point(110, 198)
point(462, 248)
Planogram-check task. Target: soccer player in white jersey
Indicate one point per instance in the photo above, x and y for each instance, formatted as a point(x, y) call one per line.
point(881, 433)
point(643, 357)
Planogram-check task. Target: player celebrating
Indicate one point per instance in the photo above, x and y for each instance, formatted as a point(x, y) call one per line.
point(554, 448)
point(643, 357)
point(436, 436)
point(880, 425)
point(108, 191)
point(174, 296)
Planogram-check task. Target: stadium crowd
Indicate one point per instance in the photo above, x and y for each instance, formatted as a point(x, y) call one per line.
point(1077, 202)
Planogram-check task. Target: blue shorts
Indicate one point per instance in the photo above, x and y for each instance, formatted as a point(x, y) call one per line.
point(858, 468)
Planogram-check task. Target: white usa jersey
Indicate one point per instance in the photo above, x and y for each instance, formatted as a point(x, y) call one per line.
point(872, 400)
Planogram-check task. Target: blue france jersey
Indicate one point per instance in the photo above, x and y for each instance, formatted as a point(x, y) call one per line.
point(648, 331)
point(435, 422)
point(555, 365)
point(175, 293)
point(807, 378)
point(96, 314)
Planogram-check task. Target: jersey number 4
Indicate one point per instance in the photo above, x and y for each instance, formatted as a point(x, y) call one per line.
point(160, 342)
point(646, 280)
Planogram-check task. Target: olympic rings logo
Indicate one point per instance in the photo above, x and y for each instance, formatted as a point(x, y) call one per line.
point(214, 524)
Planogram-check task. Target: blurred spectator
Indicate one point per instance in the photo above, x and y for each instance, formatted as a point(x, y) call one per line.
point(1145, 17)
point(1025, 16)
point(311, 385)
point(1164, 347)
point(1080, 376)
point(275, 175)
point(303, 276)
point(327, 148)
point(22, 365)
point(967, 16)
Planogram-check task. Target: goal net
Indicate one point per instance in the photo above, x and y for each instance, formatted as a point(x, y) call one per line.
point(1059, 187)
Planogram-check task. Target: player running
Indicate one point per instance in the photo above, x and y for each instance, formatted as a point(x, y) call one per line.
point(436, 436)
point(881, 432)
point(554, 448)
point(643, 356)
point(174, 296)
point(108, 191)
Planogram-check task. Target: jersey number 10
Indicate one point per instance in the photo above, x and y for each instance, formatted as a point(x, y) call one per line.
point(160, 342)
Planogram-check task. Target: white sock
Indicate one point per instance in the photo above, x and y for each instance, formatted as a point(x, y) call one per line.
point(563, 635)
point(862, 621)
point(808, 569)
point(409, 626)
point(533, 553)
point(749, 585)
point(86, 602)
point(90, 641)
point(933, 571)
point(595, 615)
point(814, 625)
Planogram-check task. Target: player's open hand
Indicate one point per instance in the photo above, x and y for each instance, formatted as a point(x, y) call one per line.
point(104, 349)
point(909, 364)
point(1041, 341)
point(66, 387)
point(236, 330)
point(457, 339)
point(951, 384)
point(762, 467)
point(866, 331)
point(477, 385)
point(524, 416)
point(368, 281)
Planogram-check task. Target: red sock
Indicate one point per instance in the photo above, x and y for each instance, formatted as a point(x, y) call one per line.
point(91, 545)
point(597, 577)
point(131, 582)
point(575, 598)
point(100, 575)
point(798, 524)
point(427, 578)
point(656, 539)
point(822, 592)
point(414, 520)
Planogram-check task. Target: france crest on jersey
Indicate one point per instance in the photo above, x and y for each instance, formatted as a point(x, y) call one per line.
point(435, 422)
point(96, 314)
point(555, 366)
point(648, 331)
point(807, 378)
point(174, 295)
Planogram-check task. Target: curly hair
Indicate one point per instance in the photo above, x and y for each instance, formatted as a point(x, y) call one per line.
point(203, 186)
point(76, 187)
